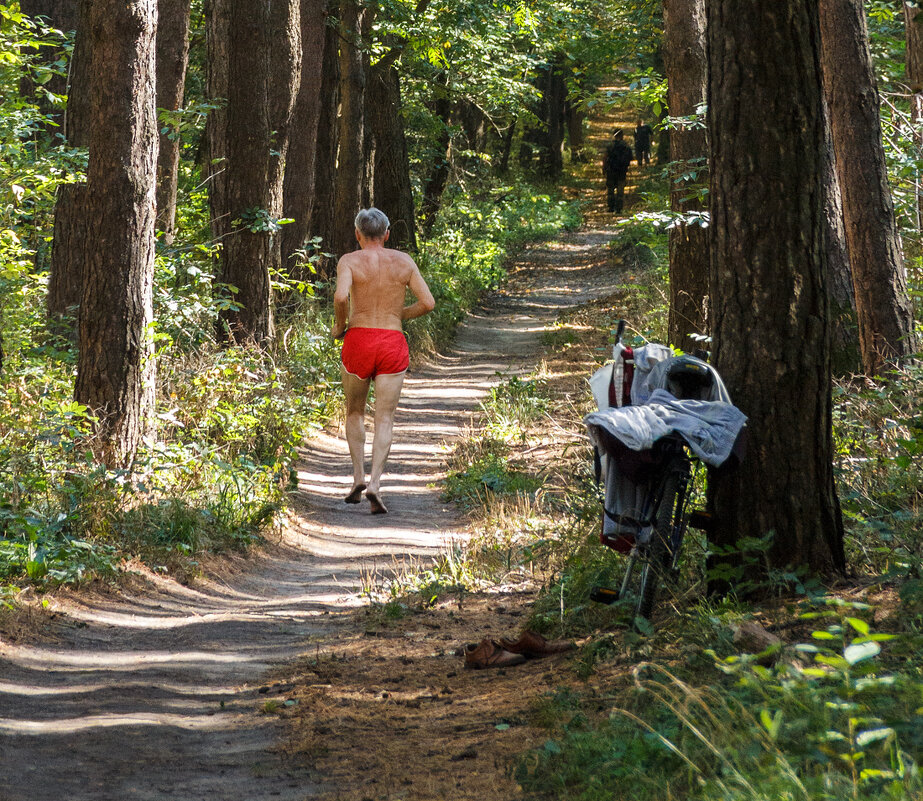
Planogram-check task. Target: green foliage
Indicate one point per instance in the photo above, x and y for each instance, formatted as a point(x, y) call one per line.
point(829, 721)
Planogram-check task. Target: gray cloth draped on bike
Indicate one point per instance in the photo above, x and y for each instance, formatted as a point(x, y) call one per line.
point(710, 427)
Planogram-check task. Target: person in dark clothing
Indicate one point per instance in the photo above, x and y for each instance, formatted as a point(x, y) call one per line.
point(643, 134)
point(615, 168)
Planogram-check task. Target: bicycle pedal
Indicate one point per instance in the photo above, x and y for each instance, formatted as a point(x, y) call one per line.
point(699, 518)
point(604, 595)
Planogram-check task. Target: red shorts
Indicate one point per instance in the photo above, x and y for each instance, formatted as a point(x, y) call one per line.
point(368, 352)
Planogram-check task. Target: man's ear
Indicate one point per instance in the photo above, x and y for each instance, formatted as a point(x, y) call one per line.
point(358, 239)
point(387, 235)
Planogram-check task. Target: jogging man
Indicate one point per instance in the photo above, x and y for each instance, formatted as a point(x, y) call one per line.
point(369, 311)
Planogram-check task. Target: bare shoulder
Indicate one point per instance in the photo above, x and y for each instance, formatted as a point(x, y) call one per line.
point(402, 263)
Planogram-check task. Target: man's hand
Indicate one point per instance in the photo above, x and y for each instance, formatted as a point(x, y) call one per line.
point(337, 331)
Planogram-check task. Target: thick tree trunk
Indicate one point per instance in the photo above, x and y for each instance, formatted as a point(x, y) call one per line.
point(768, 279)
point(686, 66)
point(913, 62)
point(249, 247)
point(214, 170)
point(298, 192)
point(326, 153)
point(115, 369)
point(882, 304)
point(393, 193)
point(172, 60)
point(351, 128)
point(65, 284)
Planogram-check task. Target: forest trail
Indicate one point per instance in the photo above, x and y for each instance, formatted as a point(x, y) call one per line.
point(156, 691)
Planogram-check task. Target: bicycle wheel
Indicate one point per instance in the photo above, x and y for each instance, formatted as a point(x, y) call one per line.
point(660, 556)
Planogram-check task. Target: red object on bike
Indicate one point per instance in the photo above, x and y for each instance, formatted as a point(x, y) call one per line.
point(628, 356)
point(623, 543)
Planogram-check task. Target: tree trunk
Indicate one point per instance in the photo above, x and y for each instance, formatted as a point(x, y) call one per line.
point(298, 192)
point(768, 279)
point(248, 249)
point(913, 62)
point(217, 38)
point(685, 65)
point(285, 53)
point(845, 355)
point(554, 93)
point(434, 186)
point(172, 59)
point(351, 128)
point(65, 284)
point(326, 152)
point(115, 368)
point(393, 193)
point(574, 117)
point(882, 304)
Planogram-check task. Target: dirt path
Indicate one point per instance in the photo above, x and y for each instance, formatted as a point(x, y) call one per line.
point(156, 692)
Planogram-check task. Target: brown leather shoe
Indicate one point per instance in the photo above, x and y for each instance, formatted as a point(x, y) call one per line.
point(532, 644)
point(488, 654)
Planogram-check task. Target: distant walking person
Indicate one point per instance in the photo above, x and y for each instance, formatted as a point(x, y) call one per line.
point(369, 311)
point(615, 168)
point(643, 134)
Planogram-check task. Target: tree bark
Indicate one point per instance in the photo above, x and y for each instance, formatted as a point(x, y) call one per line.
point(883, 308)
point(115, 369)
point(65, 283)
point(554, 94)
point(284, 87)
point(441, 108)
point(574, 117)
point(325, 160)
point(351, 128)
point(249, 246)
point(913, 62)
point(393, 193)
point(299, 181)
point(846, 357)
point(768, 279)
point(685, 64)
point(217, 38)
point(172, 60)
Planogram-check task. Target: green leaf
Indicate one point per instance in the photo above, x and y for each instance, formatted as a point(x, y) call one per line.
point(859, 625)
point(823, 635)
point(502, 726)
point(856, 653)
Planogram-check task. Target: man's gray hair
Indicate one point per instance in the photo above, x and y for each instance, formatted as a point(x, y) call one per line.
point(372, 223)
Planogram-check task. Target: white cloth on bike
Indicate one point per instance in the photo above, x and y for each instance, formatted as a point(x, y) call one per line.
point(710, 427)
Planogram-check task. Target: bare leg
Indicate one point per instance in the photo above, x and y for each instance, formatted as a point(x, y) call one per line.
point(387, 394)
point(357, 392)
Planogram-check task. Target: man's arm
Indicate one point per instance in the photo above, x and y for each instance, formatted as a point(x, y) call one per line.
point(425, 301)
point(341, 298)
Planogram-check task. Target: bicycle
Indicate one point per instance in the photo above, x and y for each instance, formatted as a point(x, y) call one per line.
point(649, 521)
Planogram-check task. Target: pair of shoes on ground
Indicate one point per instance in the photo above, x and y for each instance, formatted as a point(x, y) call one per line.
point(506, 652)
point(355, 495)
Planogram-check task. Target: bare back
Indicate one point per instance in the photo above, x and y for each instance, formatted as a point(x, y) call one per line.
point(376, 280)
